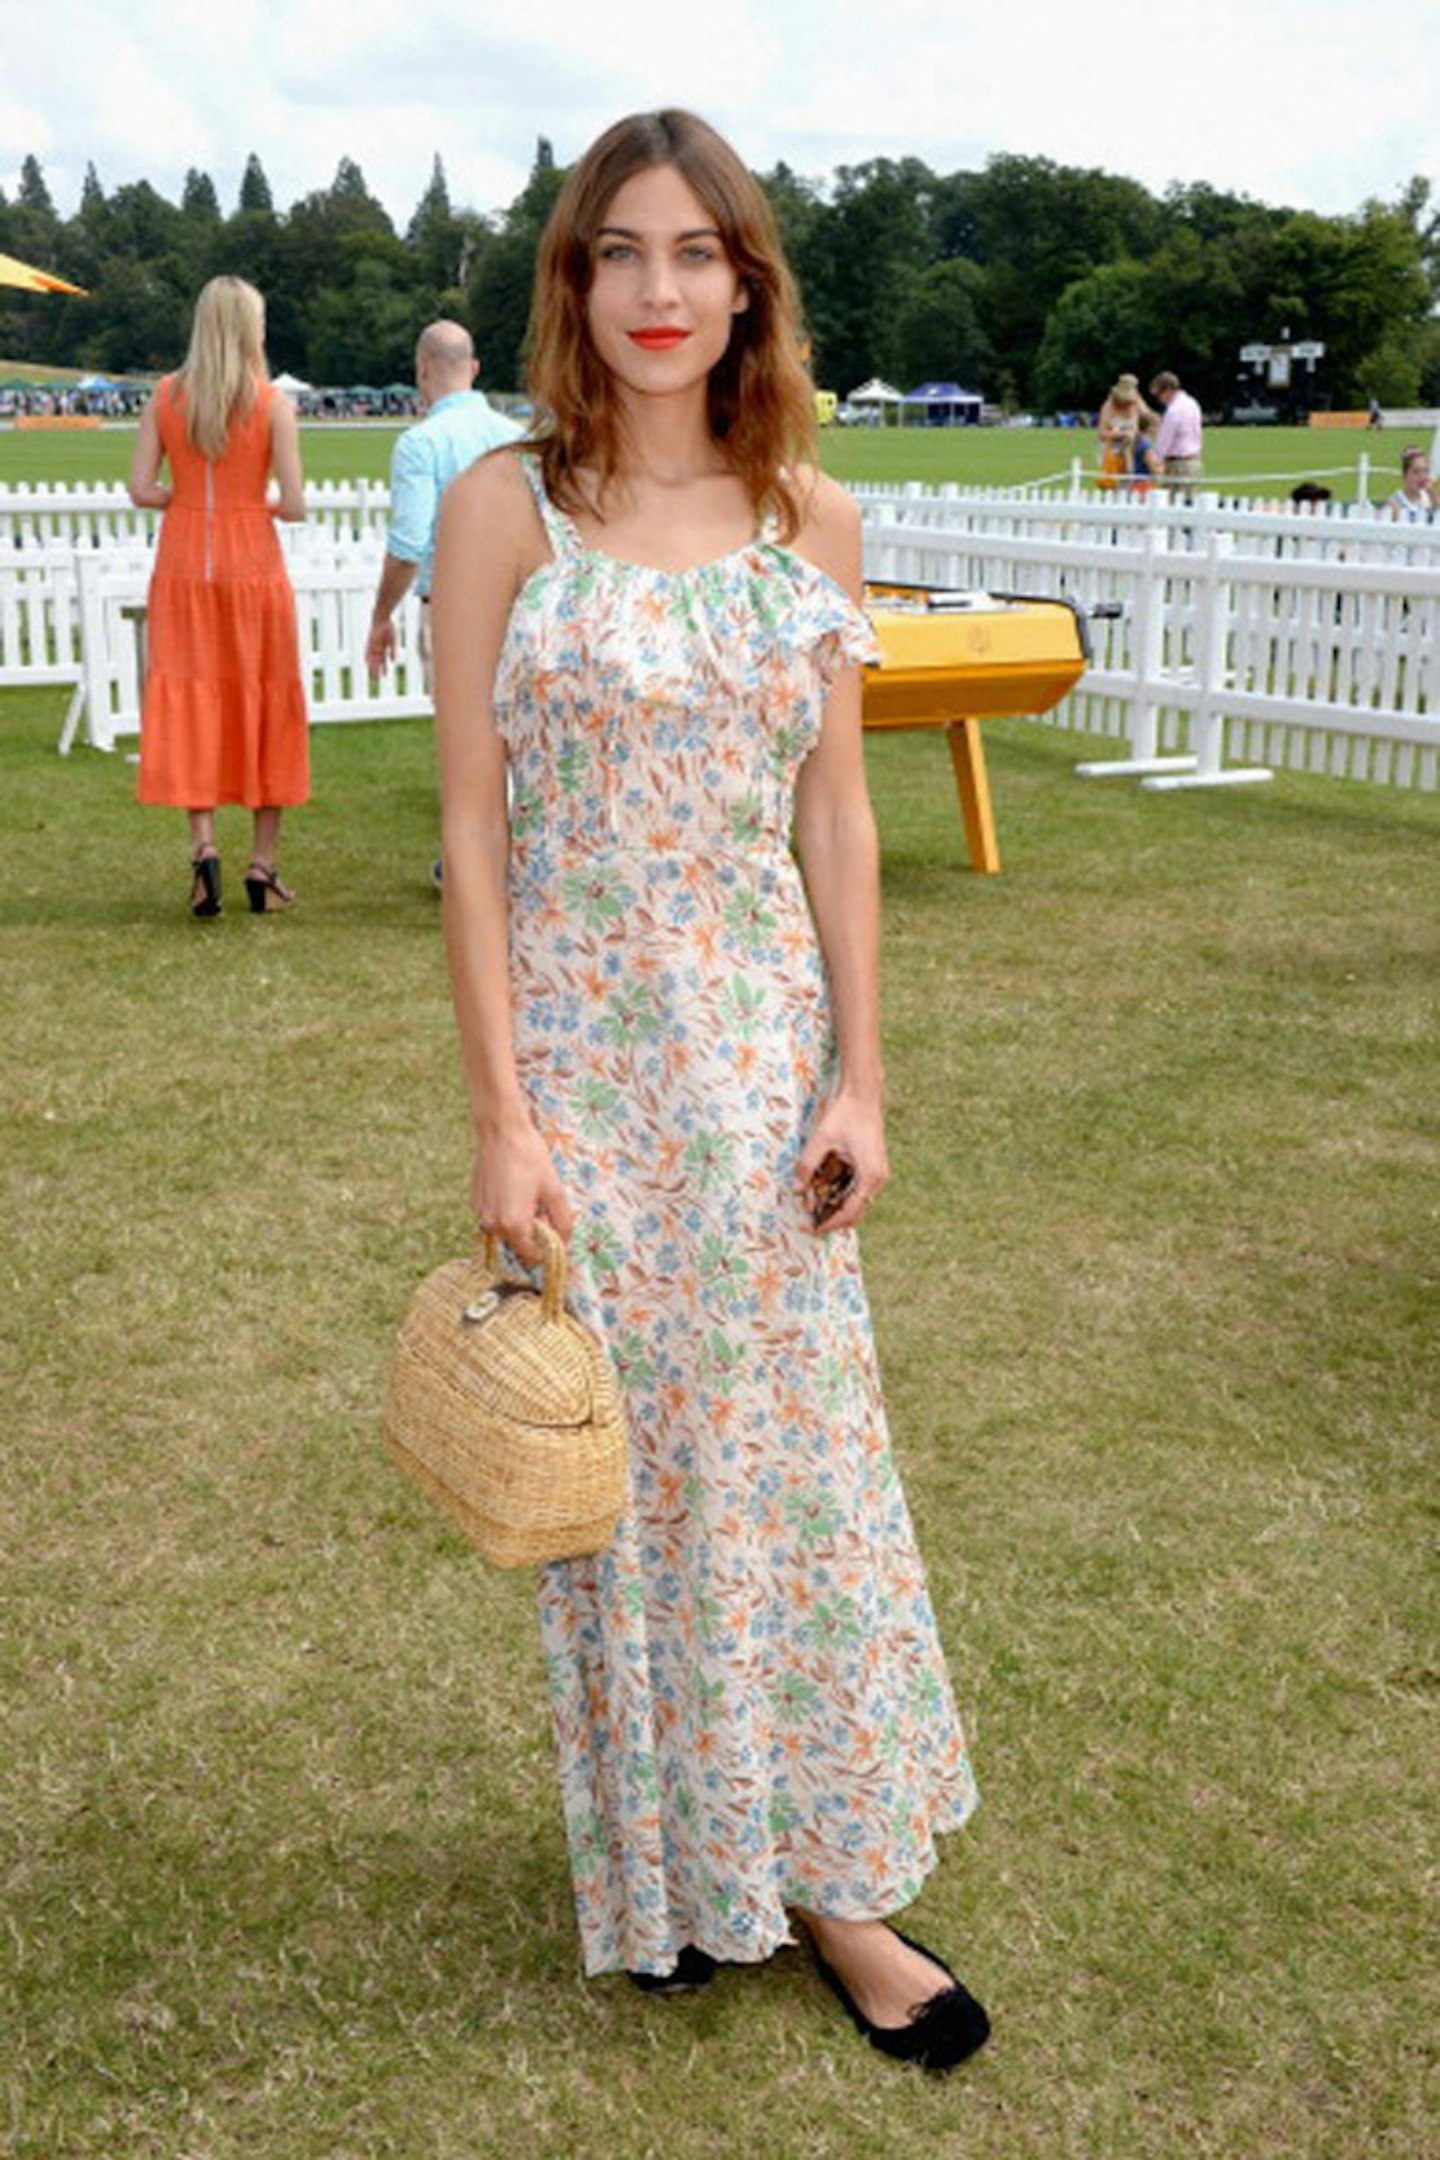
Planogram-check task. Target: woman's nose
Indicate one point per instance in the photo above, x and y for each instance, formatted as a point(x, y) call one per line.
point(658, 282)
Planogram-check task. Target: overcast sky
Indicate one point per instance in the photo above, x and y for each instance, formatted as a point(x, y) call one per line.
point(1312, 103)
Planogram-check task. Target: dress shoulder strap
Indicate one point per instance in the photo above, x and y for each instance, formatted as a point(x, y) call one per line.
point(560, 530)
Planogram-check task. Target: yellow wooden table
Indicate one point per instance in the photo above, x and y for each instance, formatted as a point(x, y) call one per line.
point(952, 660)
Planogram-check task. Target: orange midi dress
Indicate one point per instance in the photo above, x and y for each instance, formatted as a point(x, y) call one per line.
point(223, 718)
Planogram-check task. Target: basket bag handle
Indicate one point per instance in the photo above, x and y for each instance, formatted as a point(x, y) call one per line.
point(554, 1263)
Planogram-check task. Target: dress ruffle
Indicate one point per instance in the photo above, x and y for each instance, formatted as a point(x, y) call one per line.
point(715, 605)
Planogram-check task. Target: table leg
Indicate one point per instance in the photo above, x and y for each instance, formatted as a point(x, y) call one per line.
point(967, 755)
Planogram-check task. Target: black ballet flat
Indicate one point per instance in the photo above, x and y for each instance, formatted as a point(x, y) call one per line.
point(942, 2031)
point(692, 1969)
point(205, 885)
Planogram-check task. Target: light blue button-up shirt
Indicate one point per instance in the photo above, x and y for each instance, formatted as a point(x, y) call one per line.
point(455, 432)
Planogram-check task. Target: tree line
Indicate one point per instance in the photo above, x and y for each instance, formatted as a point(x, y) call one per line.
point(1029, 281)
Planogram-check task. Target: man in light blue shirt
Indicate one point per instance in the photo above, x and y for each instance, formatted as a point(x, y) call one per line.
point(459, 426)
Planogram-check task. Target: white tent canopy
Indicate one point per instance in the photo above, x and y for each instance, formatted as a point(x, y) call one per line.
point(875, 392)
point(290, 384)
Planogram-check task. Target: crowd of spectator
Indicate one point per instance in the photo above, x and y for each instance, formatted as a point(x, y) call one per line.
point(61, 400)
point(357, 403)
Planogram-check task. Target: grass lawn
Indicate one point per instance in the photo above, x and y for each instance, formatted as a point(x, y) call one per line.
point(973, 457)
point(1155, 1288)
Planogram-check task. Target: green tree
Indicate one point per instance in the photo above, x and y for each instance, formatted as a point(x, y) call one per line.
point(84, 241)
point(33, 193)
point(363, 325)
point(198, 200)
point(1184, 309)
point(867, 253)
point(1211, 214)
point(1428, 350)
point(955, 227)
point(498, 307)
point(1357, 284)
point(1039, 228)
point(316, 272)
point(437, 236)
point(143, 319)
point(433, 206)
point(142, 226)
point(30, 229)
point(1102, 324)
point(799, 211)
point(255, 188)
point(1404, 368)
point(941, 333)
point(503, 278)
point(350, 203)
point(1417, 204)
point(1199, 312)
point(253, 244)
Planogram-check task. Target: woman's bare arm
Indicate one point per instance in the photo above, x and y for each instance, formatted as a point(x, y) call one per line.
point(838, 850)
point(285, 460)
point(146, 489)
point(489, 541)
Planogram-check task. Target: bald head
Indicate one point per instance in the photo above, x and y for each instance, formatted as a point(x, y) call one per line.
point(444, 360)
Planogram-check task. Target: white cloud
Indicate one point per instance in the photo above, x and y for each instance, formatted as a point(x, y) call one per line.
point(1318, 103)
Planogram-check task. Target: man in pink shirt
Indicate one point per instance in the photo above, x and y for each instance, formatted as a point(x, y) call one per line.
point(1177, 439)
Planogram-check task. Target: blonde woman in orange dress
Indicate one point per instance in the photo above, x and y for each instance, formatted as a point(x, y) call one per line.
point(224, 718)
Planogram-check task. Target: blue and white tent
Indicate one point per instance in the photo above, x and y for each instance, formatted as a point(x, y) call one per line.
point(943, 404)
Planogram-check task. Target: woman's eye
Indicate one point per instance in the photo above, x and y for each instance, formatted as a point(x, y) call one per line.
point(698, 253)
point(615, 251)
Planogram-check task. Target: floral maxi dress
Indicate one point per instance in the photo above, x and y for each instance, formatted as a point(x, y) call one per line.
point(750, 1700)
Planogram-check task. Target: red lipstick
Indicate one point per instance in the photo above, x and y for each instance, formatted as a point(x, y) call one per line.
point(658, 340)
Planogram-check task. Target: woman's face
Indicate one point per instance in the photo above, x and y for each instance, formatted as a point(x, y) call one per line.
point(664, 294)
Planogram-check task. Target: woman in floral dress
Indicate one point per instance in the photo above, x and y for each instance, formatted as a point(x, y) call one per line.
point(661, 911)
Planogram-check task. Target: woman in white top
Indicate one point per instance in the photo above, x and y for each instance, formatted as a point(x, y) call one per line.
point(1415, 500)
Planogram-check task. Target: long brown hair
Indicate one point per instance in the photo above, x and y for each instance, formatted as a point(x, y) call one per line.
point(761, 401)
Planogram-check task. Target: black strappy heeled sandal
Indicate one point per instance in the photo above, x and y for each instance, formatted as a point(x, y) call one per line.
point(267, 895)
point(205, 884)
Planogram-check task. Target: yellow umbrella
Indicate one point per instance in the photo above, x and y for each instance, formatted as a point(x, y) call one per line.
point(28, 280)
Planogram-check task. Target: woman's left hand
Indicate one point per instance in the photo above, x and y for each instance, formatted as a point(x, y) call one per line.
point(855, 1131)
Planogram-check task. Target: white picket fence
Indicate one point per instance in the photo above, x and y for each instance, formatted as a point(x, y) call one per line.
point(1243, 638)
point(41, 634)
point(63, 606)
point(52, 514)
point(1356, 532)
point(53, 536)
point(334, 594)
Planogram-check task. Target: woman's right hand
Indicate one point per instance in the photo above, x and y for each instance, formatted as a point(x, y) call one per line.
point(514, 1181)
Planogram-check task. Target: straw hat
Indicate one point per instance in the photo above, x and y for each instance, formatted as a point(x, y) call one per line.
point(1125, 390)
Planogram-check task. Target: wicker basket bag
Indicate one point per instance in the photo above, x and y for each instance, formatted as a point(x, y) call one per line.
point(506, 1411)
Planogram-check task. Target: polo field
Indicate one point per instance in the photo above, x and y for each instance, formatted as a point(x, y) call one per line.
point(1155, 1292)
